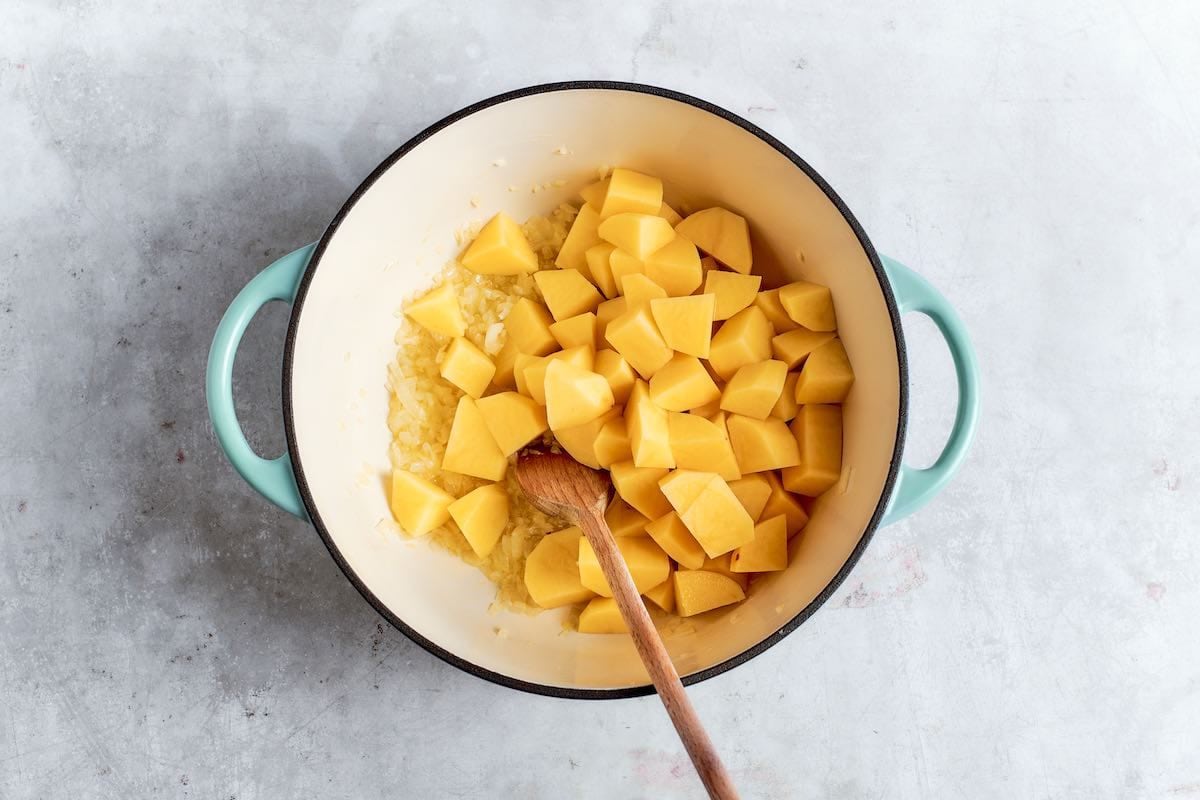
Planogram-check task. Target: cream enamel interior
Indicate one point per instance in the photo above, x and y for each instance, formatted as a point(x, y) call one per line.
point(402, 229)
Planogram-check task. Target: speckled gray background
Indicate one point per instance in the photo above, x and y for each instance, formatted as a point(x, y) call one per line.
point(1034, 633)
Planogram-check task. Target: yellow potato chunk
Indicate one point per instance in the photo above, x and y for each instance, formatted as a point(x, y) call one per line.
point(625, 520)
point(669, 214)
point(663, 595)
point(481, 515)
point(528, 326)
point(419, 505)
point(818, 430)
point(567, 292)
point(612, 443)
point(531, 372)
point(675, 267)
point(575, 331)
point(471, 450)
point(721, 566)
point(784, 502)
point(635, 336)
point(709, 411)
point(646, 422)
point(506, 361)
point(606, 312)
point(638, 290)
point(639, 235)
point(631, 192)
point(593, 194)
point(682, 486)
point(500, 249)
point(793, 347)
point(601, 615)
point(438, 312)
point(732, 291)
point(827, 375)
point(521, 363)
point(676, 540)
point(647, 563)
point(581, 236)
point(699, 443)
point(810, 305)
point(467, 367)
point(622, 265)
point(599, 267)
point(754, 389)
point(638, 486)
point(580, 441)
point(552, 570)
point(720, 233)
point(767, 552)
point(716, 518)
point(743, 339)
point(512, 419)
point(617, 372)
point(753, 492)
point(761, 444)
point(682, 384)
point(768, 301)
point(574, 395)
point(786, 406)
point(697, 591)
point(685, 322)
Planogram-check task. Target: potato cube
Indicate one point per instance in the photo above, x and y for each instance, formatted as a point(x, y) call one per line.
point(638, 290)
point(500, 249)
point(754, 389)
point(599, 268)
point(625, 520)
point(810, 305)
point(722, 566)
point(467, 367)
point(675, 267)
point(552, 570)
point(743, 339)
point(639, 235)
point(482, 515)
point(784, 502)
point(716, 518)
point(786, 406)
point(720, 233)
point(681, 487)
point(606, 312)
point(622, 265)
point(419, 505)
point(638, 486)
point(699, 443)
point(631, 192)
point(505, 363)
point(697, 591)
point(438, 312)
point(635, 336)
point(818, 430)
point(593, 194)
point(531, 373)
point(574, 395)
point(583, 234)
point(710, 411)
point(601, 615)
point(767, 552)
point(762, 444)
point(676, 540)
point(528, 326)
point(793, 347)
point(612, 443)
point(669, 214)
point(646, 422)
point(685, 322)
point(567, 292)
point(733, 292)
point(617, 372)
point(512, 419)
point(580, 441)
point(768, 301)
point(827, 376)
point(647, 563)
point(575, 331)
point(521, 363)
point(471, 450)
point(753, 492)
point(663, 595)
point(682, 384)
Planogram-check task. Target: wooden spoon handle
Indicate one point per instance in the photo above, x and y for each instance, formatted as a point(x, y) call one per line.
point(658, 662)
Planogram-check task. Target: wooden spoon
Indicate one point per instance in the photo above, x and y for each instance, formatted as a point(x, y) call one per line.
point(560, 485)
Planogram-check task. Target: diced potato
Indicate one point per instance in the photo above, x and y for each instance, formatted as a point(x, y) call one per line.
point(685, 322)
point(606, 312)
point(784, 502)
point(716, 518)
point(612, 443)
point(575, 331)
point(753, 492)
point(699, 443)
point(505, 362)
point(521, 363)
point(617, 372)
point(722, 566)
point(767, 552)
point(471, 450)
point(682, 384)
point(528, 326)
point(810, 305)
point(500, 249)
point(639, 235)
point(663, 595)
point(574, 395)
point(580, 440)
point(593, 194)
point(419, 505)
point(438, 311)
point(762, 444)
point(818, 430)
point(638, 290)
point(754, 389)
point(697, 591)
point(635, 336)
point(768, 301)
point(827, 375)
point(552, 570)
point(631, 192)
point(625, 520)
point(681, 487)
point(601, 615)
point(646, 423)
point(482, 515)
point(709, 410)
point(743, 339)
point(720, 233)
point(675, 267)
point(638, 486)
point(581, 236)
point(621, 265)
point(647, 563)
point(732, 291)
point(669, 214)
point(673, 537)
point(567, 292)
point(467, 367)
point(512, 419)
point(793, 347)
point(786, 406)
point(598, 258)
point(531, 374)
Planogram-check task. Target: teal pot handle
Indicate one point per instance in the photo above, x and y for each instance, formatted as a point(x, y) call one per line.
point(916, 487)
point(272, 478)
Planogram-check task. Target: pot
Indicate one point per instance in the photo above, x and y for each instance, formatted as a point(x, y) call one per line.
point(397, 229)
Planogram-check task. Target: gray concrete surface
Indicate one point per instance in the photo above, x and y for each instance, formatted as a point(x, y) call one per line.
point(1034, 633)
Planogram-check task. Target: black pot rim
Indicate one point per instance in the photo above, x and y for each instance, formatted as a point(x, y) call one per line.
point(491, 675)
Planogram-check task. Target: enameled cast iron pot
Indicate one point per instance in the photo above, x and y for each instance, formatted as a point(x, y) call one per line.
point(397, 230)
